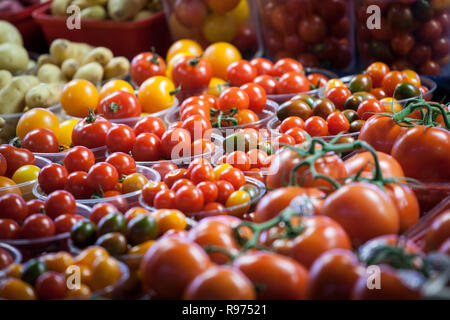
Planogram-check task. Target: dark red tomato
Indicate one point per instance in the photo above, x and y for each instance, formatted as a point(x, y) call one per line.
point(402, 43)
point(189, 199)
point(15, 158)
point(197, 126)
point(313, 29)
point(35, 206)
point(438, 232)
point(60, 202)
point(410, 150)
point(65, 222)
point(286, 65)
point(146, 65)
point(12, 206)
point(147, 147)
point(233, 98)
point(257, 96)
point(91, 132)
point(100, 210)
point(120, 138)
point(367, 108)
point(41, 140)
point(79, 158)
point(430, 68)
point(123, 162)
point(3, 165)
point(240, 72)
point(9, 229)
point(102, 177)
point(119, 105)
point(332, 10)
point(175, 143)
point(78, 186)
point(51, 285)
point(150, 124)
point(441, 48)
point(37, 226)
point(316, 126)
point(338, 95)
point(262, 66)
point(164, 168)
point(225, 190)
point(430, 31)
point(52, 177)
point(165, 199)
point(292, 82)
point(268, 83)
point(192, 73)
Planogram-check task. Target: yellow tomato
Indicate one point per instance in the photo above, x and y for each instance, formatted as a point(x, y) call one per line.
point(83, 293)
point(10, 184)
point(105, 272)
point(133, 182)
point(220, 55)
point(14, 270)
point(219, 169)
point(26, 173)
point(216, 86)
point(184, 45)
point(178, 30)
point(219, 27)
point(391, 105)
point(15, 289)
point(134, 212)
point(78, 96)
point(333, 83)
point(88, 255)
point(113, 86)
point(35, 119)
point(238, 198)
point(413, 77)
point(58, 262)
point(141, 248)
point(241, 12)
point(174, 59)
point(169, 220)
point(65, 132)
point(156, 94)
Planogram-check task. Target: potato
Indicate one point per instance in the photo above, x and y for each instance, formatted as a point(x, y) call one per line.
point(5, 78)
point(59, 7)
point(62, 49)
point(100, 55)
point(69, 67)
point(46, 58)
point(44, 95)
point(83, 4)
point(142, 15)
point(9, 33)
point(95, 12)
point(121, 10)
point(117, 67)
point(12, 97)
point(49, 73)
point(92, 72)
point(13, 57)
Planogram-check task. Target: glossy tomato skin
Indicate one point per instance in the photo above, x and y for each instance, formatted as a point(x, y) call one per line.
point(363, 210)
point(37, 226)
point(120, 138)
point(381, 133)
point(170, 265)
point(77, 185)
point(423, 153)
point(9, 229)
point(192, 73)
point(406, 203)
point(123, 163)
point(79, 158)
point(146, 65)
point(175, 143)
point(102, 177)
point(150, 124)
point(60, 202)
point(268, 268)
point(147, 147)
point(91, 133)
point(333, 275)
point(15, 158)
point(65, 222)
point(12, 206)
point(438, 232)
point(119, 105)
point(52, 177)
point(292, 82)
point(364, 161)
point(41, 140)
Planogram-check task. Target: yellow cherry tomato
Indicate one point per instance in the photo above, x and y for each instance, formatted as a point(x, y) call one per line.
point(216, 86)
point(14, 270)
point(65, 132)
point(113, 86)
point(133, 182)
point(174, 59)
point(391, 105)
point(219, 169)
point(37, 118)
point(413, 77)
point(105, 272)
point(141, 248)
point(241, 12)
point(169, 220)
point(156, 94)
point(238, 198)
point(26, 173)
point(134, 212)
point(219, 27)
point(220, 55)
point(78, 96)
point(82, 293)
point(178, 30)
point(16, 289)
point(10, 185)
point(88, 255)
point(333, 83)
point(58, 262)
point(184, 45)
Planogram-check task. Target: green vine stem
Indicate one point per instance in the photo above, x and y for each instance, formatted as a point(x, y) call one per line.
point(427, 117)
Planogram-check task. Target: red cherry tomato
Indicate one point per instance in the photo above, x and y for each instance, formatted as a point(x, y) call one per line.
point(123, 162)
point(225, 190)
point(51, 285)
point(175, 143)
point(150, 124)
point(119, 105)
point(338, 95)
point(12, 206)
point(52, 177)
point(65, 222)
point(262, 66)
point(41, 140)
point(15, 158)
point(100, 210)
point(198, 126)
point(192, 73)
point(291, 122)
point(189, 199)
point(79, 158)
point(337, 123)
point(316, 126)
point(367, 108)
point(35, 206)
point(233, 98)
point(60, 202)
point(268, 83)
point(91, 132)
point(234, 176)
point(120, 138)
point(292, 82)
point(165, 199)
point(37, 226)
point(78, 186)
point(147, 147)
point(286, 65)
point(240, 72)
point(146, 65)
point(9, 229)
point(257, 97)
point(102, 177)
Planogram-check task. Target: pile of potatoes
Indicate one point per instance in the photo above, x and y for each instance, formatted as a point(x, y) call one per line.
point(118, 10)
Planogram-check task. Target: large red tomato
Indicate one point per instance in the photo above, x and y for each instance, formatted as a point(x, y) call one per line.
point(364, 161)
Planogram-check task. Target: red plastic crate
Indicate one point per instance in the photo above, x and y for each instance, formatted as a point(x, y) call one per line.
point(124, 38)
point(32, 35)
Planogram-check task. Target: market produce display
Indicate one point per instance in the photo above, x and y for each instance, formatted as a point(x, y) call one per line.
point(214, 171)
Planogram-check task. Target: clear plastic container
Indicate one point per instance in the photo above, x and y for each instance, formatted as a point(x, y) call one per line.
point(233, 21)
point(114, 291)
point(431, 194)
point(9, 129)
point(227, 211)
point(264, 117)
point(317, 33)
point(26, 189)
point(410, 35)
point(31, 248)
point(15, 254)
point(122, 202)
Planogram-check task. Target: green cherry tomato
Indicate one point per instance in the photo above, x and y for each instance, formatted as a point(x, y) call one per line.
point(32, 270)
point(353, 102)
point(360, 82)
point(298, 108)
point(140, 229)
point(356, 125)
point(405, 91)
point(83, 233)
point(112, 222)
point(306, 98)
point(114, 242)
point(350, 114)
